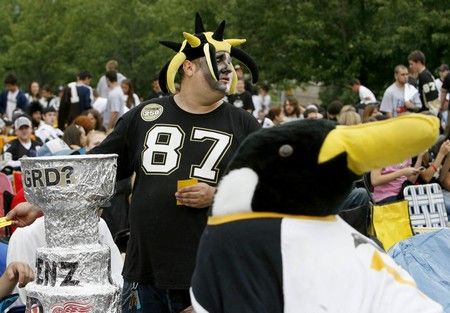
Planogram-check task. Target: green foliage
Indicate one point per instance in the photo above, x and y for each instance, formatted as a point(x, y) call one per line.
point(330, 41)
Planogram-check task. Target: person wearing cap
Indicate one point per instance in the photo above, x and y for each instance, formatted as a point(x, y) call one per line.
point(23, 145)
point(179, 147)
point(102, 85)
point(77, 97)
point(187, 138)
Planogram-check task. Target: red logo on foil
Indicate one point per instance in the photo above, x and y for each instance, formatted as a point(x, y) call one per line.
point(72, 307)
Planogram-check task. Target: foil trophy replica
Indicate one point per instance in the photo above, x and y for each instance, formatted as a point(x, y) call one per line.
point(74, 270)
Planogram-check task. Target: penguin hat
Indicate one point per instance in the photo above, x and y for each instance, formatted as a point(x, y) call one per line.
point(204, 44)
point(308, 167)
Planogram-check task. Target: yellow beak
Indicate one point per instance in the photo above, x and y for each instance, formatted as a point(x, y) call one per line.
point(378, 144)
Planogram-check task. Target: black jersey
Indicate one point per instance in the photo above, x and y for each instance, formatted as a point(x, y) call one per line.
point(243, 100)
point(427, 88)
point(163, 144)
point(17, 150)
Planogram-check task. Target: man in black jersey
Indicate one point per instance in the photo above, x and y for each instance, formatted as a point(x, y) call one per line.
point(429, 94)
point(167, 141)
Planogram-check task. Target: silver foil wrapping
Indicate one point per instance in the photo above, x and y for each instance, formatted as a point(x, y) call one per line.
point(73, 271)
point(69, 189)
point(80, 265)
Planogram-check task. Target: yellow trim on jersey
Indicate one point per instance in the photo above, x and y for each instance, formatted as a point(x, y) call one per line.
point(378, 265)
point(222, 219)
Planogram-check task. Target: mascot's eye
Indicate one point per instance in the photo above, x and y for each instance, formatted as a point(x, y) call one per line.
point(285, 151)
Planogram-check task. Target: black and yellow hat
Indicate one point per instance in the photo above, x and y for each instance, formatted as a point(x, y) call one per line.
point(204, 44)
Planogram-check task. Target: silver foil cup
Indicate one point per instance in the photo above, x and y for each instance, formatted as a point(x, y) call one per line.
point(68, 189)
point(74, 270)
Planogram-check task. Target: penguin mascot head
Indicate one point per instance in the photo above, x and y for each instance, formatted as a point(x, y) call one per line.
point(307, 167)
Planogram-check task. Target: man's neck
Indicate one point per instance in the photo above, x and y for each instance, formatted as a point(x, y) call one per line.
point(422, 68)
point(192, 104)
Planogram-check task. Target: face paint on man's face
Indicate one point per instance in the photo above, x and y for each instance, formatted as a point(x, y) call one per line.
point(224, 65)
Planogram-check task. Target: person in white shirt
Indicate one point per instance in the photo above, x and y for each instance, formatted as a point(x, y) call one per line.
point(102, 85)
point(400, 96)
point(46, 131)
point(24, 242)
point(131, 99)
point(365, 95)
point(115, 105)
point(262, 100)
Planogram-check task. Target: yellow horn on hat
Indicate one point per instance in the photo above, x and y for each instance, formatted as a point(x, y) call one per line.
point(172, 70)
point(378, 144)
point(235, 42)
point(233, 82)
point(193, 41)
point(208, 58)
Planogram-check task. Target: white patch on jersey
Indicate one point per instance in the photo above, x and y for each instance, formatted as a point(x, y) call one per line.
point(324, 271)
point(151, 112)
point(235, 192)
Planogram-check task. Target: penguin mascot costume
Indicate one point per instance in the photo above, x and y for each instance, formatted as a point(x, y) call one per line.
point(274, 242)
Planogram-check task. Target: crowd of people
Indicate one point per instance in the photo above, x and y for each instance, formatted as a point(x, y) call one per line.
point(193, 135)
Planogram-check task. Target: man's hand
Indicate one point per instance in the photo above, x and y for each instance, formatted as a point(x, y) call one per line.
point(200, 195)
point(23, 214)
point(16, 272)
point(19, 272)
point(409, 104)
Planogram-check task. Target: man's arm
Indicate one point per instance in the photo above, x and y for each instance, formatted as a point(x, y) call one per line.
point(22, 101)
point(113, 120)
point(386, 104)
point(117, 142)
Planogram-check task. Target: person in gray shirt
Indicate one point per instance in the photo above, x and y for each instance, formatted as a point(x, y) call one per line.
point(115, 105)
point(400, 96)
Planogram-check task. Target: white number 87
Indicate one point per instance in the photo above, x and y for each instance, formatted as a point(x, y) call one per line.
point(163, 143)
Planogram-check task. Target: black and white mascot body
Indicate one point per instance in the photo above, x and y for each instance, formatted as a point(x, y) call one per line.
point(275, 243)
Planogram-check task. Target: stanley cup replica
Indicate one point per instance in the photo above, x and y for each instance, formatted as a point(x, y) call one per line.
point(73, 273)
